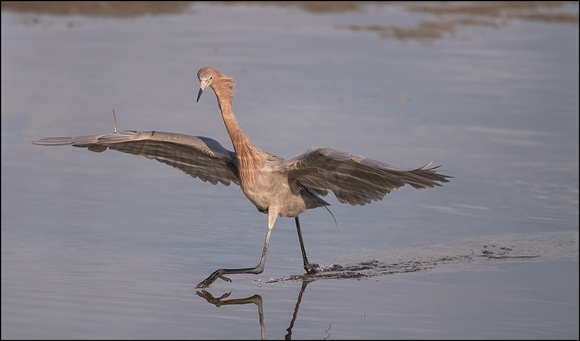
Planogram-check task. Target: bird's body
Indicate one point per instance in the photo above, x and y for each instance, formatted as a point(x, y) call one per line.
point(276, 186)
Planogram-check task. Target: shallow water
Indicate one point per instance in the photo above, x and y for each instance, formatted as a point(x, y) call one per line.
point(111, 246)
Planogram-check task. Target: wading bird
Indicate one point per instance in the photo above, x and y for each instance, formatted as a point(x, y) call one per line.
point(277, 187)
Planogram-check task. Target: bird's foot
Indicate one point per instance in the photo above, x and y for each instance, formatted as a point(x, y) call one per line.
point(311, 268)
point(212, 278)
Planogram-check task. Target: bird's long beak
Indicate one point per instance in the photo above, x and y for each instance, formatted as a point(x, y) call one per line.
point(202, 87)
point(199, 94)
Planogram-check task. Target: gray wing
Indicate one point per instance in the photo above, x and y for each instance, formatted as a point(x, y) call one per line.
point(353, 179)
point(198, 156)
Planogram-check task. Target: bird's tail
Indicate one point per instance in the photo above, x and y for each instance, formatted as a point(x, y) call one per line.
point(319, 200)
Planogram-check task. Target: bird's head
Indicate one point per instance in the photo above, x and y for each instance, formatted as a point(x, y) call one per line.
point(210, 77)
point(205, 76)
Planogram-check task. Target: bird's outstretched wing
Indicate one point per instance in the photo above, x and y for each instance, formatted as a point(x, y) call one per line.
point(198, 156)
point(355, 180)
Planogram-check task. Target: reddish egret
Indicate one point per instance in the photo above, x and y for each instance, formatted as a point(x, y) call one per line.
point(277, 187)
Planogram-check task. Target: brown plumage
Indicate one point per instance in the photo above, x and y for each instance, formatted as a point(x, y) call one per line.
point(247, 154)
point(277, 187)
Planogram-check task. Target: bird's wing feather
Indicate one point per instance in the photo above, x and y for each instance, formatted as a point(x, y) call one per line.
point(353, 179)
point(197, 156)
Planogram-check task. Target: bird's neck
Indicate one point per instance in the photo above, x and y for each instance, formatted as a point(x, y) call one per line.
point(247, 154)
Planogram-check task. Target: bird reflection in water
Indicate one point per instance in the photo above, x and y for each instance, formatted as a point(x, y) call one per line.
point(277, 187)
point(257, 300)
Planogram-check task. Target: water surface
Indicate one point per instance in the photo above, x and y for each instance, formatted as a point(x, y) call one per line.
point(111, 246)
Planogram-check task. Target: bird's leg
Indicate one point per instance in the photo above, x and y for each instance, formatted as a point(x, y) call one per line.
point(221, 272)
point(307, 266)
